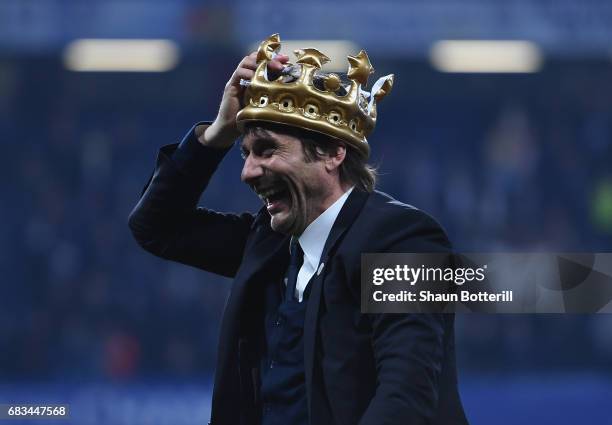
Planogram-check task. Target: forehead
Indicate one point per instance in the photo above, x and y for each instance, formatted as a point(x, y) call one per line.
point(260, 134)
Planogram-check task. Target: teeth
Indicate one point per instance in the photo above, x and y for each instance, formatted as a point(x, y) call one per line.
point(268, 194)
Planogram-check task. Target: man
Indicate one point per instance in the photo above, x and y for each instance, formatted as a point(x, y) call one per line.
point(294, 347)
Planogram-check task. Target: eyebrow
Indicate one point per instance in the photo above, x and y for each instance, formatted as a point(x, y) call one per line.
point(261, 135)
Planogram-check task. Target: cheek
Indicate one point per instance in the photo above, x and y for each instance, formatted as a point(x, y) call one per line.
point(309, 176)
point(314, 183)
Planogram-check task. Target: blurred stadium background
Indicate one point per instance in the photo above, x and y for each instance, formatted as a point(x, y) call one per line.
point(507, 154)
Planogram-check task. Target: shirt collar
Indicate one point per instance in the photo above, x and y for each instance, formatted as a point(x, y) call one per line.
point(313, 239)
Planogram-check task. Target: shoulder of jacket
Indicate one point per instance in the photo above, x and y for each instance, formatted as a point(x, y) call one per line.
point(386, 206)
point(384, 214)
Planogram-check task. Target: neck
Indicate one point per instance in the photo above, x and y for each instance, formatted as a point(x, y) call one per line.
point(332, 196)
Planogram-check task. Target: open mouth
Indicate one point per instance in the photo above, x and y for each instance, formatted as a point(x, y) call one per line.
point(276, 198)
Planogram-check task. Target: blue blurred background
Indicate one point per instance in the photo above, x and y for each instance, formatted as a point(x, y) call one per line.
point(505, 161)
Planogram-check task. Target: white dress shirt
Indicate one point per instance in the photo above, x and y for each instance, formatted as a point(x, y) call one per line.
point(312, 241)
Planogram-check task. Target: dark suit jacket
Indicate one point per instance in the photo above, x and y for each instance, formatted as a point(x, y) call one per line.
point(367, 369)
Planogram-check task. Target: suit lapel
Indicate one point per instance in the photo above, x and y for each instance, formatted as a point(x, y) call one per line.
point(349, 212)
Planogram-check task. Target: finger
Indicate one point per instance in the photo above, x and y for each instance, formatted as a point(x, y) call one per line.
point(276, 65)
point(248, 62)
point(242, 73)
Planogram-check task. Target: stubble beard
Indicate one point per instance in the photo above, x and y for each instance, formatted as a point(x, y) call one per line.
point(296, 218)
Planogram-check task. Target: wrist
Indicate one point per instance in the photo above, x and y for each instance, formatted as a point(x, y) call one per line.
point(216, 136)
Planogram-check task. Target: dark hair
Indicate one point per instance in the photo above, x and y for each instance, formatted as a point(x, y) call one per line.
point(354, 169)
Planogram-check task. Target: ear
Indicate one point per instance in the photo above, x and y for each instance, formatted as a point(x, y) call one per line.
point(335, 159)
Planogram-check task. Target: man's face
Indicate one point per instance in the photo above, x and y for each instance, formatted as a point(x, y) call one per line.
point(293, 189)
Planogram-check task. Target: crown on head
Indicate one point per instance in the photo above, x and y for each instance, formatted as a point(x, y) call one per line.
point(303, 96)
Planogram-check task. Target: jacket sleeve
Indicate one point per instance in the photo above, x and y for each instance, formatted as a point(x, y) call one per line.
point(408, 348)
point(167, 221)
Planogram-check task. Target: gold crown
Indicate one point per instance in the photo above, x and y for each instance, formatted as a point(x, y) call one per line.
point(302, 96)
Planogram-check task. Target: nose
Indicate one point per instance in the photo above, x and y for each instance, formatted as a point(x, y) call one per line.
point(251, 170)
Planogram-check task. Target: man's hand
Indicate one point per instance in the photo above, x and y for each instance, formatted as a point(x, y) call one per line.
point(223, 131)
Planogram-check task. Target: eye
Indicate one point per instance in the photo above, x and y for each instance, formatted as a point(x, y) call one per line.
point(268, 152)
point(264, 148)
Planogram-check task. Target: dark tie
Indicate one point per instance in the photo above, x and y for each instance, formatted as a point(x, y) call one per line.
point(295, 262)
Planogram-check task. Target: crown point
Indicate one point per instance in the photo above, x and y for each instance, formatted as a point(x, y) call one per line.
point(385, 89)
point(360, 68)
point(310, 56)
point(268, 47)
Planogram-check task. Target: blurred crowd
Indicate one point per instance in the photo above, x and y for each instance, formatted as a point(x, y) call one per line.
point(503, 162)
